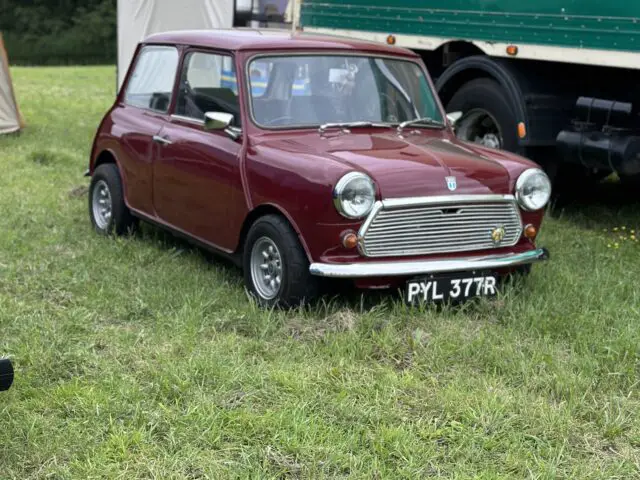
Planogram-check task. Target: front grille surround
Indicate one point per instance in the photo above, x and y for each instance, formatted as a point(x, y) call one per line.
point(439, 225)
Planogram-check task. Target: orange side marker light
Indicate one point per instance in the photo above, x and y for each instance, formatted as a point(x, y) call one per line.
point(522, 130)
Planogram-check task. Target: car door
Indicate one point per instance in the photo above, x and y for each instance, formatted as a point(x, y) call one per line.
point(140, 117)
point(197, 184)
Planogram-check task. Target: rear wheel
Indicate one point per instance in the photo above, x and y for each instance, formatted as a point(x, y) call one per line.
point(276, 269)
point(487, 115)
point(107, 209)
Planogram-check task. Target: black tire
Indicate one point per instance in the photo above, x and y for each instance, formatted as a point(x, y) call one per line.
point(297, 285)
point(120, 220)
point(486, 94)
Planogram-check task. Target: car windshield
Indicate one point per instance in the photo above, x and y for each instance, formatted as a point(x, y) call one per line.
point(312, 90)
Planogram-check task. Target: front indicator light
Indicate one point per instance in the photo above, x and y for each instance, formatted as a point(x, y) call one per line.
point(350, 240)
point(530, 232)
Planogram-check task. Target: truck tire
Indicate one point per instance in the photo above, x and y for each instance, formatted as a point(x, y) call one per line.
point(487, 118)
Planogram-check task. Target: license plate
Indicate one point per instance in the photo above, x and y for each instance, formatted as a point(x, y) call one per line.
point(450, 288)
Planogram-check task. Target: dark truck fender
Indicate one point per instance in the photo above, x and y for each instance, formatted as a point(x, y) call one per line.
point(543, 114)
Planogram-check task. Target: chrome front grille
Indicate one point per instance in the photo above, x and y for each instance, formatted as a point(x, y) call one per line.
point(440, 225)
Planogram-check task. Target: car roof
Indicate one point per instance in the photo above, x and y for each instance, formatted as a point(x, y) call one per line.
point(238, 39)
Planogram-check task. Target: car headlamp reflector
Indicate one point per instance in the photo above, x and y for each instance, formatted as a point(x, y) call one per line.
point(354, 195)
point(533, 189)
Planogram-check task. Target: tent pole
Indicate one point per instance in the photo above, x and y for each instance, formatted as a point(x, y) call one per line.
point(294, 18)
point(255, 13)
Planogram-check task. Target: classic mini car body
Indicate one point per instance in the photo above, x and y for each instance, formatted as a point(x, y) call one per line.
point(308, 156)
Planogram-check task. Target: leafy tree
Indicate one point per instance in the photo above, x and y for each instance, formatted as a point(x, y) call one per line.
point(48, 32)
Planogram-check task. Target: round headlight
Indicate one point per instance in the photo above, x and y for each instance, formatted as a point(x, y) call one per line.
point(533, 189)
point(354, 195)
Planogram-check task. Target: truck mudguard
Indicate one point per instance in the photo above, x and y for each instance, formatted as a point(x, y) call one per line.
point(462, 71)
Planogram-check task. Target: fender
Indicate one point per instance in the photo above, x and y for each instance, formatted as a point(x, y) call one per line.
point(498, 69)
point(266, 208)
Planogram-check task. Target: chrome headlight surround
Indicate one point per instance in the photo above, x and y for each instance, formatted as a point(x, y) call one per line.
point(533, 189)
point(354, 195)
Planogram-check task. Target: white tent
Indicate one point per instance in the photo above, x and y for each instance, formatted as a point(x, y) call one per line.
point(10, 118)
point(137, 19)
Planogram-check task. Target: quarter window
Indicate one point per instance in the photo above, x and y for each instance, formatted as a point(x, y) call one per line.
point(208, 83)
point(151, 83)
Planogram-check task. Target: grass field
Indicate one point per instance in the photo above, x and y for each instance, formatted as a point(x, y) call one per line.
point(143, 358)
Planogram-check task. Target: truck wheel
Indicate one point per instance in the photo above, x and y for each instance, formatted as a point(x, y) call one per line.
point(276, 269)
point(107, 209)
point(487, 117)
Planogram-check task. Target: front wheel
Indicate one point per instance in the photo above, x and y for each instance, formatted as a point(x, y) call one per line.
point(276, 269)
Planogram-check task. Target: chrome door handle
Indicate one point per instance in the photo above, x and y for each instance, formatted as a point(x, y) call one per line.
point(162, 140)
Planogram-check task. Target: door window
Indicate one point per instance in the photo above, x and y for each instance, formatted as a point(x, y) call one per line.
point(151, 83)
point(208, 83)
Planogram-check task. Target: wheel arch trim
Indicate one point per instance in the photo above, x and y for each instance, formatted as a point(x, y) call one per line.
point(94, 164)
point(266, 209)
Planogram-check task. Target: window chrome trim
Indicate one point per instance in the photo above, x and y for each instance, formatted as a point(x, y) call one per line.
point(182, 118)
point(392, 203)
point(327, 53)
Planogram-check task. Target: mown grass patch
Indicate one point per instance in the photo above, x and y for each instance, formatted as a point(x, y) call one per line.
point(142, 357)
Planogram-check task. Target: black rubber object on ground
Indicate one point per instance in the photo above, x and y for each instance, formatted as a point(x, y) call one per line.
point(6, 374)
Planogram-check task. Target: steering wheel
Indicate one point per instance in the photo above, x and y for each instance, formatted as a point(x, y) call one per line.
point(277, 119)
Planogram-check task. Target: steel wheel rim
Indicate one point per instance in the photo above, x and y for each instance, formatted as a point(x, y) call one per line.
point(266, 268)
point(479, 126)
point(102, 205)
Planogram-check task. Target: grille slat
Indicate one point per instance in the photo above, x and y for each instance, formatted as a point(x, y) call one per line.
point(483, 222)
point(440, 215)
point(427, 229)
point(449, 235)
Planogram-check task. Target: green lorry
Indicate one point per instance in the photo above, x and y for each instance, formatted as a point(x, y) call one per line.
point(555, 80)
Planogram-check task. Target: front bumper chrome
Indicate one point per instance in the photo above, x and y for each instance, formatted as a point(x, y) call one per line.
point(418, 267)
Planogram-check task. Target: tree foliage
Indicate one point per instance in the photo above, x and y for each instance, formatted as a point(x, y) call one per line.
point(50, 32)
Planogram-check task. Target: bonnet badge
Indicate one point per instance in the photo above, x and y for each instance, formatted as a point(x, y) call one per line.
point(451, 183)
point(498, 234)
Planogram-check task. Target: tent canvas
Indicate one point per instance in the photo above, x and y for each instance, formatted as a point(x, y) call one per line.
point(10, 117)
point(137, 19)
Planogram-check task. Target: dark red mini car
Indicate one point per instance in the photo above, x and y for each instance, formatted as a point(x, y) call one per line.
point(309, 156)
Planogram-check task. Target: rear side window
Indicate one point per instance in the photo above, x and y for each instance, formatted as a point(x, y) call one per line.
point(151, 83)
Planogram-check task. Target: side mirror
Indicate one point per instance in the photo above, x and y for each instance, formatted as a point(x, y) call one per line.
point(217, 120)
point(221, 121)
point(453, 117)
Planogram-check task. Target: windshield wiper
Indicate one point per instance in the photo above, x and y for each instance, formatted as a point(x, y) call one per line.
point(425, 121)
point(345, 125)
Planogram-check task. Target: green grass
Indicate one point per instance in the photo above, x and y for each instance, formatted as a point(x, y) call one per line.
point(142, 357)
